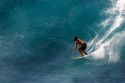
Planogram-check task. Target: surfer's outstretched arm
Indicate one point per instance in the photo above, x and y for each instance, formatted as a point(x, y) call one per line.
point(75, 46)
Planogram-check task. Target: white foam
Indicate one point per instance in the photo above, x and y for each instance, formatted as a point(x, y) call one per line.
point(105, 47)
point(99, 53)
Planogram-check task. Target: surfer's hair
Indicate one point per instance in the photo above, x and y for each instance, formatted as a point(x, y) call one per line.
point(75, 38)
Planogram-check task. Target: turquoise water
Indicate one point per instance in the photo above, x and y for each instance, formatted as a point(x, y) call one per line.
point(36, 41)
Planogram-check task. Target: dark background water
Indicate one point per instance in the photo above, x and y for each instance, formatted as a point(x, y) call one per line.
point(36, 42)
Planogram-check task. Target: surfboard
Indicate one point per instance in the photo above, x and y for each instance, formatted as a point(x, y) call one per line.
point(77, 58)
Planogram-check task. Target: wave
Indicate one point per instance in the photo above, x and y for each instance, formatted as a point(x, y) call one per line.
point(108, 45)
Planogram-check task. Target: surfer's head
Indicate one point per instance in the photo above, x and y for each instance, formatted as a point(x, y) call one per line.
point(75, 38)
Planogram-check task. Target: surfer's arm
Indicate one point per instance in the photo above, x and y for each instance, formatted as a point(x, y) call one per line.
point(75, 46)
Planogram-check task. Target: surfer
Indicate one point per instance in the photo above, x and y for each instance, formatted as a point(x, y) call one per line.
point(80, 45)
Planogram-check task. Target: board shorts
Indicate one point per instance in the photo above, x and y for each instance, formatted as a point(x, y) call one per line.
point(83, 47)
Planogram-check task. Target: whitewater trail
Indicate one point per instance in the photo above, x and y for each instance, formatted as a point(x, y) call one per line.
point(105, 47)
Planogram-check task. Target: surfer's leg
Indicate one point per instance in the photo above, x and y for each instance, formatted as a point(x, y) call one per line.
point(83, 47)
point(85, 52)
point(81, 52)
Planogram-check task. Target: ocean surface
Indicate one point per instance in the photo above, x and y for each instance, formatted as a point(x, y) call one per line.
point(36, 41)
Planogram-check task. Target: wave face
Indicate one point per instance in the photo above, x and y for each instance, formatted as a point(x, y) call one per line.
point(36, 41)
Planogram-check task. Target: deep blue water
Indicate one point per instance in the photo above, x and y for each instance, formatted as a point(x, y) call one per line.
point(36, 43)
